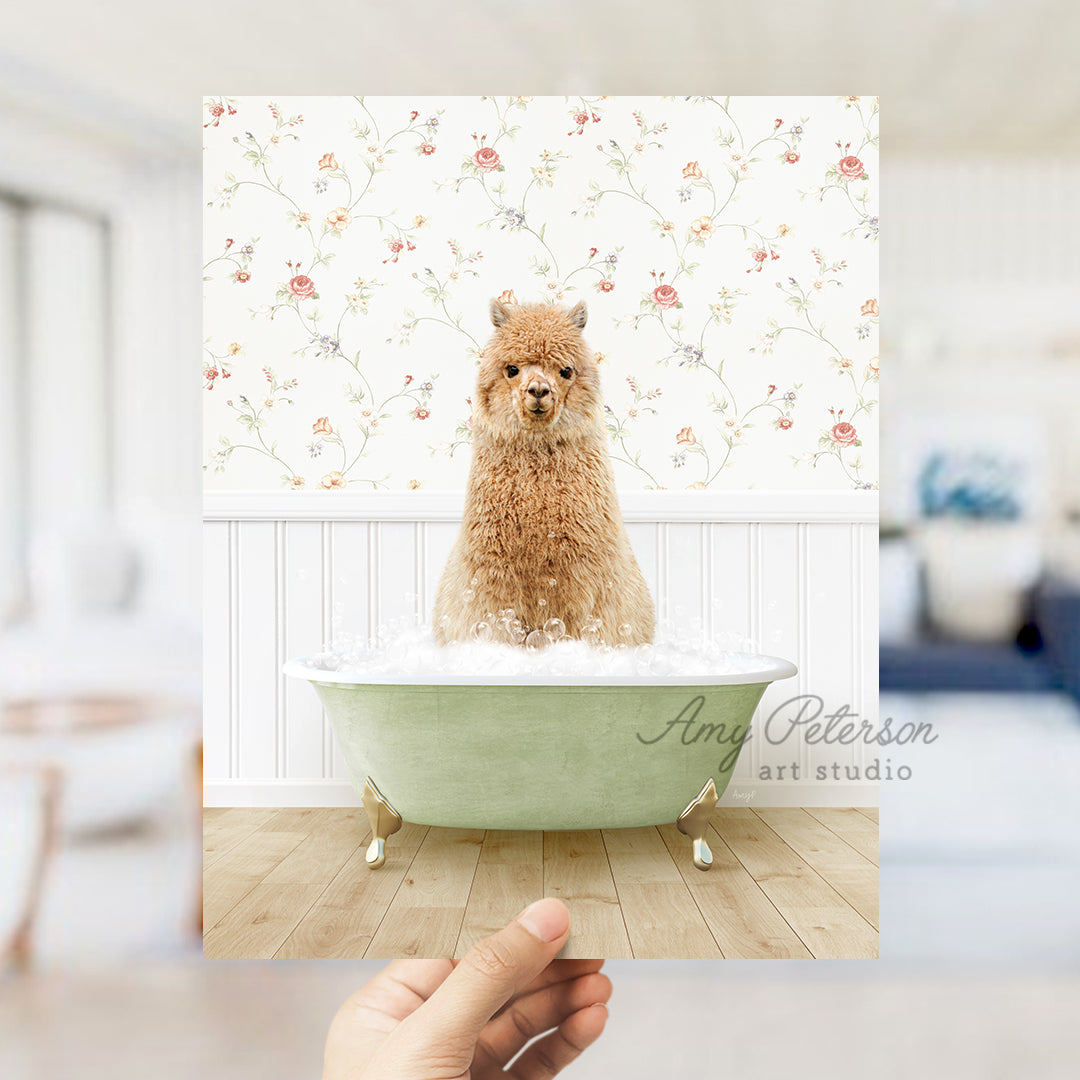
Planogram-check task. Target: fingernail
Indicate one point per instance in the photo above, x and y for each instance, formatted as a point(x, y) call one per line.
point(545, 919)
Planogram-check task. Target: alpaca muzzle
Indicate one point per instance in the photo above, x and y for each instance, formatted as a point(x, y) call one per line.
point(539, 399)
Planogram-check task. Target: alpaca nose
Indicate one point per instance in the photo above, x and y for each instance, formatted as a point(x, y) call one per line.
point(539, 389)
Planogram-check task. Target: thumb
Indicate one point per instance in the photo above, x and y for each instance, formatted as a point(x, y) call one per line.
point(491, 973)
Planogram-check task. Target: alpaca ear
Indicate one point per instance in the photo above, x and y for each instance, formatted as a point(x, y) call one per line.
point(499, 312)
point(578, 315)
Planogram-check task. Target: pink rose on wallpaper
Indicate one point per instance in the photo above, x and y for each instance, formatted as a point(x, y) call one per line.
point(427, 149)
point(334, 481)
point(869, 308)
point(790, 157)
point(421, 413)
point(302, 287)
point(242, 276)
point(665, 296)
point(785, 422)
point(507, 297)
point(296, 482)
point(851, 168)
point(322, 426)
point(686, 437)
point(605, 285)
point(328, 161)
point(487, 160)
point(691, 171)
point(843, 434)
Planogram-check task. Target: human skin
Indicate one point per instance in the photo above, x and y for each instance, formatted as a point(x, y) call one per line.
point(466, 1020)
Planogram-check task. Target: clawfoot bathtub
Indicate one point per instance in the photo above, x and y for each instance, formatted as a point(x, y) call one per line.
point(543, 752)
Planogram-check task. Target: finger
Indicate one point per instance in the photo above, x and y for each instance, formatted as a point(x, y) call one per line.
point(548, 1056)
point(558, 971)
point(538, 1012)
point(492, 972)
point(400, 988)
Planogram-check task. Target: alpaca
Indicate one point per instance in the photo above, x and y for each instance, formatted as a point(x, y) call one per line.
point(542, 532)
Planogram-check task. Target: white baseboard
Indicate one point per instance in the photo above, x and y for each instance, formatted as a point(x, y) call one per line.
point(260, 793)
point(290, 793)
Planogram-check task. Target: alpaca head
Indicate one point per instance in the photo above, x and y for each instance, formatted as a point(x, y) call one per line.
point(537, 376)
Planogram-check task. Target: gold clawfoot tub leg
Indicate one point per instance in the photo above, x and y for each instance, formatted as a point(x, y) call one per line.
point(384, 819)
point(694, 820)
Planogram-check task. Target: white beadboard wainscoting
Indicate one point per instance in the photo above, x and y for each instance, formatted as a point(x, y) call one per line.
point(795, 572)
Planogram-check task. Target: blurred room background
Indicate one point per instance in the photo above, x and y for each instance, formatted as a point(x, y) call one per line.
point(100, 118)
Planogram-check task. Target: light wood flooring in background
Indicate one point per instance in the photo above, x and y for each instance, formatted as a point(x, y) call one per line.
point(785, 883)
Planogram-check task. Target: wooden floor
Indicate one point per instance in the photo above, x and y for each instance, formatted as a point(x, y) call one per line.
point(785, 883)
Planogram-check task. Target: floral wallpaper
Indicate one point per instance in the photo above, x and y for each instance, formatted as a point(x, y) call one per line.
point(726, 248)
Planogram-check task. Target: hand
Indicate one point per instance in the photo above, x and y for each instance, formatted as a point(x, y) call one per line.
point(449, 1020)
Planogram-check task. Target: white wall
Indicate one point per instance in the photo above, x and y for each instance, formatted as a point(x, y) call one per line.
point(109, 421)
point(795, 572)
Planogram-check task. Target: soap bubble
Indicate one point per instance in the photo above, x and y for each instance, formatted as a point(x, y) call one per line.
point(542, 602)
point(625, 630)
point(551, 536)
point(404, 651)
point(552, 582)
point(444, 622)
point(468, 595)
point(610, 584)
point(475, 581)
point(537, 640)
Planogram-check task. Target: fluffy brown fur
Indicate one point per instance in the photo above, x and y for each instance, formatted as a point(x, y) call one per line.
point(541, 500)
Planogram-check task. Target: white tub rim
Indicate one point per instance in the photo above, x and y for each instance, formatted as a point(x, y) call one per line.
point(775, 670)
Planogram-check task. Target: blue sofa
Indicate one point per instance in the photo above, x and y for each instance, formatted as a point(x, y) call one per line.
point(1045, 656)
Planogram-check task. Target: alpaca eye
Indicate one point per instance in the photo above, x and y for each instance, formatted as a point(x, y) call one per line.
point(566, 372)
point(511, 371)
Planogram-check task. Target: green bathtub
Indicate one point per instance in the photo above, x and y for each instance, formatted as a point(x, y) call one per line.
point(587, 752)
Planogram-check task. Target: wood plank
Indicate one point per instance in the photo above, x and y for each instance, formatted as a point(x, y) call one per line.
point(662, 920)
point(342, 922)
point(850, 873)
point(859, 888)
point(228, 880)
point(424, 918)
point(825, 922)
point(576, 870)
point(255, 928)
point(740, 917)
point(509, 876)
point(225, 827)
point(334, 837)
point(851, 826)
point(868, 811)
point(818, 845)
